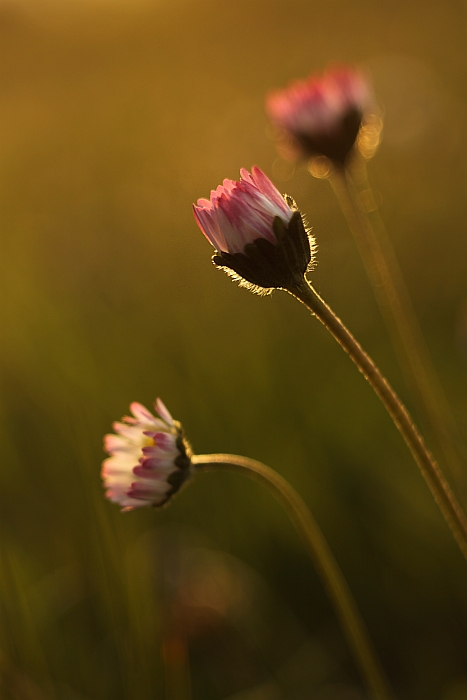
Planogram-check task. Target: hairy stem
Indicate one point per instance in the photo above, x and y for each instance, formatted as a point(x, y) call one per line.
point(447, 503)
point(327, 567)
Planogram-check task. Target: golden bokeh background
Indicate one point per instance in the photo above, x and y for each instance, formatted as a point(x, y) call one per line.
point(115, 117)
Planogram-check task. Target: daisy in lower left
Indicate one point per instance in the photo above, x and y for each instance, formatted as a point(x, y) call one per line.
point(149, 458)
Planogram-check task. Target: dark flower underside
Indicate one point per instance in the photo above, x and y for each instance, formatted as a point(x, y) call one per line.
point(338, 143)
point(177, 478)
point(269, 265)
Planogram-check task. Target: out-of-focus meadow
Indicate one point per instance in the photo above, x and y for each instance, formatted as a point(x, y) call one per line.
point(115, 117)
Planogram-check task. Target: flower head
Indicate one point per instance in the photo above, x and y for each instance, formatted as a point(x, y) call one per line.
point(259, 235)
point(149, 458)
point(322, 115)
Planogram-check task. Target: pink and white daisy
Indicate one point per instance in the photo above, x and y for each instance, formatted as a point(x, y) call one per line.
point(238, 213)
point(149, 458)
point(258, 234)
point(322, 115)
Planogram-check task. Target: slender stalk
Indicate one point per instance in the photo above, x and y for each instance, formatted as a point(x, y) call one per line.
point(447, 503)
point(391, 293)
point(334, 582)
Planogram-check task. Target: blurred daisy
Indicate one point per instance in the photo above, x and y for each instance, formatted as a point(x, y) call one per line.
point(149, 458)
point(321, 115)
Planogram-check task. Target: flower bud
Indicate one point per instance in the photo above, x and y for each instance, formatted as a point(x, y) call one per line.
point(321, 115)
point(259, 235)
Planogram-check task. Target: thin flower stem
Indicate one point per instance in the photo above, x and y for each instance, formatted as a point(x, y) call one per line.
point(394, 301)
point(334, 582)
point(447, 503)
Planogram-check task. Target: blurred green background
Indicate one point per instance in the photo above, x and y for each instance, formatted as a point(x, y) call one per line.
point(115, 117)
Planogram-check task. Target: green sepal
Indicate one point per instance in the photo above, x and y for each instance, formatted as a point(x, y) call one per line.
point(270, 265)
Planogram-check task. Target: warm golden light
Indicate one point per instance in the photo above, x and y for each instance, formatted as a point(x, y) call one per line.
point(320, 167)
point(369, 136)
point(115, 116)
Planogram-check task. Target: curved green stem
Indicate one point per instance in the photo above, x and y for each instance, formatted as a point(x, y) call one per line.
point(328, 569)
point(382, 267)
point(447, 503)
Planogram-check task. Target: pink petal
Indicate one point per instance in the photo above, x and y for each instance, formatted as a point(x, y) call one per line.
point(163, 412)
